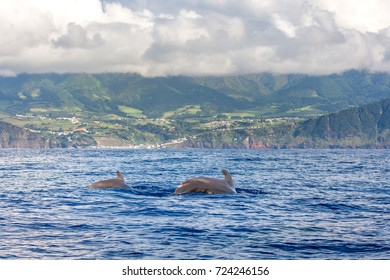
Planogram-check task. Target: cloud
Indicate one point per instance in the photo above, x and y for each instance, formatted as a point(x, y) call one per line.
point(77, 37)
point(188, 37)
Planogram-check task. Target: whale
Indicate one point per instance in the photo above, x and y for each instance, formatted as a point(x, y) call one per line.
point(118, 182)
point(208, 185)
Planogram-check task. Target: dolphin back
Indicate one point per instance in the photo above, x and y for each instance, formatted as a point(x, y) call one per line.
point(117, 182)
point(207, 185)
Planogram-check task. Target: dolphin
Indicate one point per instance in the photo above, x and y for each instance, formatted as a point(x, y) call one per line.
point(208, 185)
point(118, 182)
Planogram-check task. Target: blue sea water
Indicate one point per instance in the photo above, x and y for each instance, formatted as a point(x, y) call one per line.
point(290, 204)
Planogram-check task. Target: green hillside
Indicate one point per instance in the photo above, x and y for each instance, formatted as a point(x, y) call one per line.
point(257, 95)
point(109, 93)
point(302, 95)
point(251, 111)
point(365, 126)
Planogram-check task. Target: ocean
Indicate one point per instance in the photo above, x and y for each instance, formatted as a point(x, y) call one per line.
point(290, 204)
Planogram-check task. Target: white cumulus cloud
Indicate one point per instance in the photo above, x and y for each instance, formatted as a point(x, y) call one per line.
point(194, 37)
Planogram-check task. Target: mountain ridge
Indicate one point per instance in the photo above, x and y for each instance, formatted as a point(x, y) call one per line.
point(251, 111)
point(364, 126)
point(264, 95)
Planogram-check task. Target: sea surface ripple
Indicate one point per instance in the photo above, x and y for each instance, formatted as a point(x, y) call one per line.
point(290, 204)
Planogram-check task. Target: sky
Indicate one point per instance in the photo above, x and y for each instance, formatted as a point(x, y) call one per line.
point(194, 37)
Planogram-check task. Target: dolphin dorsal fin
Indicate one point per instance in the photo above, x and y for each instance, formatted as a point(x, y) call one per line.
point(119, 175)
point(228, 177)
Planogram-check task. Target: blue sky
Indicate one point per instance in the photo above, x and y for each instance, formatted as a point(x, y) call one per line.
point(194, 37)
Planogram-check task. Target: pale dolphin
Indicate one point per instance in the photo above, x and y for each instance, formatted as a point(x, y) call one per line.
point(118, 182)
point(207, 185)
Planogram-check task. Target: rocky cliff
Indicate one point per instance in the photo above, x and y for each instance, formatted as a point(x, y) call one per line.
point(358, 127)
point(366, 126)
point(14, 137)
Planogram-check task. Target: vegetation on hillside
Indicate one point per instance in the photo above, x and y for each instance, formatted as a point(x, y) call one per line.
point(252, 111)
point(263, 95)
